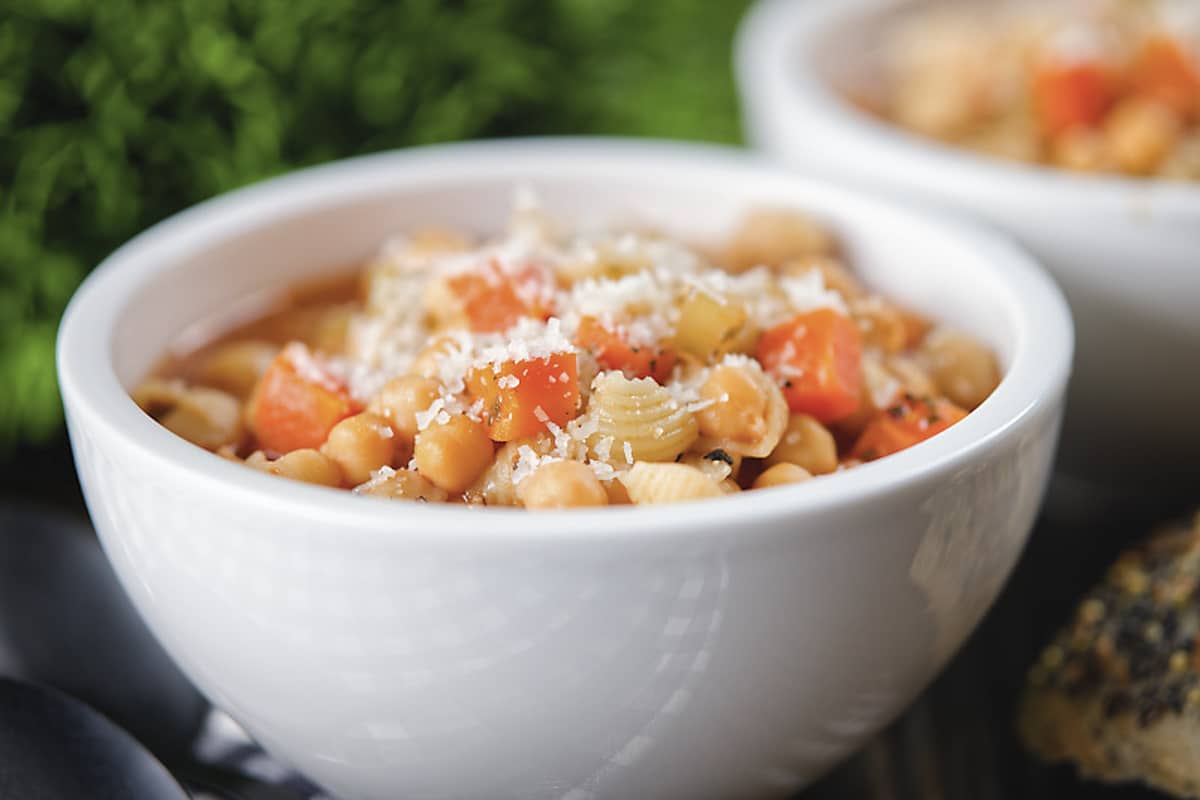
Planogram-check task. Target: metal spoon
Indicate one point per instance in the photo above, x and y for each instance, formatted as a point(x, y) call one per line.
point(53, 747)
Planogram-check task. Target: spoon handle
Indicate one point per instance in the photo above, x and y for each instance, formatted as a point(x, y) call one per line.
point(209, 782)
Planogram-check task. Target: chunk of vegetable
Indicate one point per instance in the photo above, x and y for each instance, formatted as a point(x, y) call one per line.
point(708, 326)
point(907, 421)
point(1071, 94)
point(297, 402)
point(494, 300)
point(614, 352)
point(1165, 72)
point(816, 358)
point(522, 396)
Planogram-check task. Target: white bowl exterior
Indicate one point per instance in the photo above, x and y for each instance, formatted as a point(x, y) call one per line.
point(721, 649)
point(1125, 251)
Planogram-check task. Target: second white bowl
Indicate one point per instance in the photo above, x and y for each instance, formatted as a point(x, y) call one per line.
point(1125, 251)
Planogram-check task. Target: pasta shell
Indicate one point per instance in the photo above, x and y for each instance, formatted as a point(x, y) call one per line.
point(637, 420)
point(235, 367)
point(206, 417)
point(668, 483)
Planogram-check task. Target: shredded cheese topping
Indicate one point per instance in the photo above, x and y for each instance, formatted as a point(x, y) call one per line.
point(631, 284)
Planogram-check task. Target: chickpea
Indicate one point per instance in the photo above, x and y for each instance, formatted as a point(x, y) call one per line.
point(434, 241)
point(962, 368)
point(329, 329)
point(806, 443)
point(912, 376)
point(881, 324)
point(780, 475)
point(454, 453)
point(773, 236)
point(1079, 149)
point(936, 102)
point(1139, 135)
point(359, 445)
point(401, 399)
point(236, 367)
point(738, 410)
point(307, 466)
point(835, 274)
point(562, 484)
point(430, 358)
point(404, 484)
point(443, 308)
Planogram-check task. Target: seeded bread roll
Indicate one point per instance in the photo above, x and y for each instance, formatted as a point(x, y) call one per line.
point(1117, 692)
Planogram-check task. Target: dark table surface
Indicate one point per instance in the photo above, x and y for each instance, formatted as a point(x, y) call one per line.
point(957, 740)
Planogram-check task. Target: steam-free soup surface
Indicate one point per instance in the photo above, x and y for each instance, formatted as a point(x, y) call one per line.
point(551, 369)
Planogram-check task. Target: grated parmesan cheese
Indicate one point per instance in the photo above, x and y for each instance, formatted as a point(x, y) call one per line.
point(308, 367)
point(633, 288)
point(379, 476)
point(807, 291)
point(425, 418)
point(603, 471)
point(527, 461)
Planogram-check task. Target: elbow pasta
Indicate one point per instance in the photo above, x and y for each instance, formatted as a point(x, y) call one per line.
point(547, 371)
point(1106, 86)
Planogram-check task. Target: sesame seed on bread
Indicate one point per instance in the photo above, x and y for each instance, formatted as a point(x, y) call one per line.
point(1117, 692)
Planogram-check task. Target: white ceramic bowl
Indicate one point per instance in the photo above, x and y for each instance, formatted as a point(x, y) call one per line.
point(717, 649)
point(1125, 251)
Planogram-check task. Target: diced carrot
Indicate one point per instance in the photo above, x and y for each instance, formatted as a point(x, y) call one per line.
point(495, 300)
point(614, 352)
point(816, 358)
point(522, 396)
point(1072, 94)
point(902, 424)
point(1165, 72)
point(297, 403)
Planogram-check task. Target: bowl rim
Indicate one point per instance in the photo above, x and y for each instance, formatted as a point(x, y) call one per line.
point(93, 396)
point(774, 34)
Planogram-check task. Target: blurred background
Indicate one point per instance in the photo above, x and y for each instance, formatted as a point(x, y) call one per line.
point(116, 114)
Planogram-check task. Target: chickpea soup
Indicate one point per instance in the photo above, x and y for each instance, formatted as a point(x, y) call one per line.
point(1108, 86)
point(542, 369)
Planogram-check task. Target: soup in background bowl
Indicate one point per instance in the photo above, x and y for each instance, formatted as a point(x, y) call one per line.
point(1093, 87)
